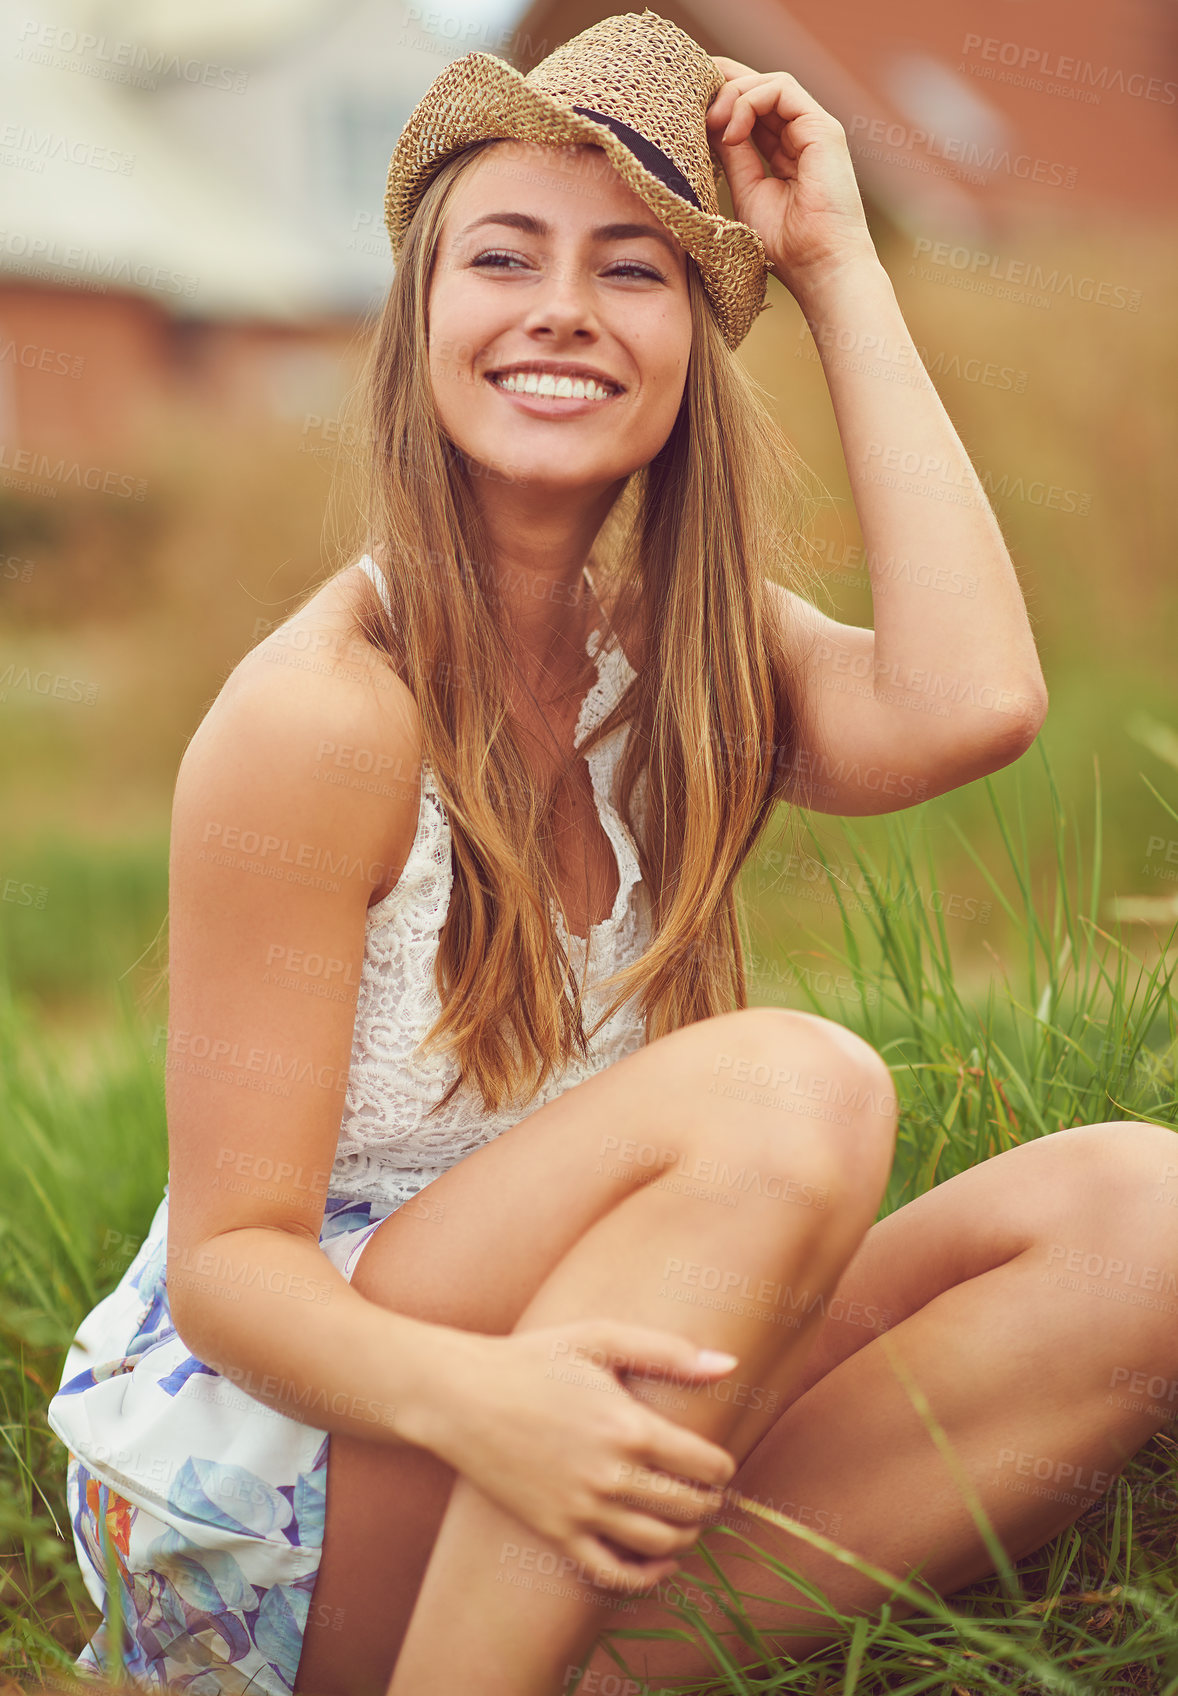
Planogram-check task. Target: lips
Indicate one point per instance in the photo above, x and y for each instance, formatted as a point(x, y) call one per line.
point(549, 384)
point(552, 406)
point(558, 371)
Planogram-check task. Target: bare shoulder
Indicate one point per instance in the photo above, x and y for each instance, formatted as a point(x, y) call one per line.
point(322, 631)
point(318, 724)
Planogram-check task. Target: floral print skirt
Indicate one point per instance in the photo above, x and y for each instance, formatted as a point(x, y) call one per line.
point(200, 1503)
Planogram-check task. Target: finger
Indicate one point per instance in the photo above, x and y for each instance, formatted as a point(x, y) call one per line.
point(755, 110)
point(683, 1453)
point(744, 157)
point(676, 1515)
point(774, 135)
point(642, 1350)
point(667, 1497)
point(749, 143)
point(645, 1534)
point(780, 99)
point(744, 168)
point(609, 1569)
point(720, 110)
point(752, 137)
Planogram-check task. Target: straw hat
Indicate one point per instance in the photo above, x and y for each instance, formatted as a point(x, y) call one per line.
point(635, 85)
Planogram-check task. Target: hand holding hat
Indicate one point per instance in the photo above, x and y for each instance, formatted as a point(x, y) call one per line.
point(808, 211)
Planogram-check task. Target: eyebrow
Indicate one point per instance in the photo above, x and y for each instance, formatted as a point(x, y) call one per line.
point(604, 232)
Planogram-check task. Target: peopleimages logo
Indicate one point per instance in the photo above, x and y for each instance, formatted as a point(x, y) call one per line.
point(976, 263)
point(25, 462)
point(1040, 67)
point(33, 253)
point(961, 151)
point(65, 48)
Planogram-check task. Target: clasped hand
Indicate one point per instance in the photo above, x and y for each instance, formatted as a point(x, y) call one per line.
point(542, 1423)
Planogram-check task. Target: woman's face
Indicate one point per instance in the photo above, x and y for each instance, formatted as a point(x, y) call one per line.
point(569, 280)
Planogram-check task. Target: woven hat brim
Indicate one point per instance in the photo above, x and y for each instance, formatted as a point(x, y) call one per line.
point(730, 255)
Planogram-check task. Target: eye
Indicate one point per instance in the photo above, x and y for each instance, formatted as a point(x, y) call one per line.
point(491, 256)
point(637, 270)
point(496, 253)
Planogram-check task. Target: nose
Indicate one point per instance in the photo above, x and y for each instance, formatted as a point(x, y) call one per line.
point(562, 303)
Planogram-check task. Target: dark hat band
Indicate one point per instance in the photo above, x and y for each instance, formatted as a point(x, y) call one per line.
point(646, 153)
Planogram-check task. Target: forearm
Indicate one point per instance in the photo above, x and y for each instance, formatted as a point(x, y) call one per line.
point(948, 610)
point(268, 1310)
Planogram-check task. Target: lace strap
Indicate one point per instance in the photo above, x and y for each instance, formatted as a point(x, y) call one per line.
point(369, 565)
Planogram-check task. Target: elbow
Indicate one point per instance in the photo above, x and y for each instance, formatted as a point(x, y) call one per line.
point(1007, 730)
point(1019, 718)
point(1032, 715)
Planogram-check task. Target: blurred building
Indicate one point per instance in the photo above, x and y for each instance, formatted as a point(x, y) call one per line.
point(192, 189)
point(191, 194)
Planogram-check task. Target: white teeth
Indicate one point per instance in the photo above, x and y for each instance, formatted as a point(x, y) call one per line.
point(548, 383)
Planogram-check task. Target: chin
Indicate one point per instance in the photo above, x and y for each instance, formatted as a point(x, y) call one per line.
point(546, 470)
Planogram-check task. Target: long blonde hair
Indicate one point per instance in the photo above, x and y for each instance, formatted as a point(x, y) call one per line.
point(686, 552)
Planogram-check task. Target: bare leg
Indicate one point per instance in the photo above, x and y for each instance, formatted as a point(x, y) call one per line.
point(516, 1638)
point(1044, 1390)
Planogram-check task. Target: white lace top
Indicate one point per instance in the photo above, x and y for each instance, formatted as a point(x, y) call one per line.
point(388, 1149)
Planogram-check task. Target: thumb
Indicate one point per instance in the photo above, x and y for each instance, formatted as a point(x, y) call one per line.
point(638, 1348)
point(744, 168)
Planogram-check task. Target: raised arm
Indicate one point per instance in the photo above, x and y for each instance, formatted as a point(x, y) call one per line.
point(947, 687)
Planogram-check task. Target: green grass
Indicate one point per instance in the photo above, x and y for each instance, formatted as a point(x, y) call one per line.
point(83, 1160)
point(1077, 1025)
point(78, 913)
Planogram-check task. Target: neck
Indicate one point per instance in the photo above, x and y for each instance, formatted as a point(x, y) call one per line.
point(540, 544)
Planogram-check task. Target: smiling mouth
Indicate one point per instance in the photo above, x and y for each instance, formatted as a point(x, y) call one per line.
point(559, 390)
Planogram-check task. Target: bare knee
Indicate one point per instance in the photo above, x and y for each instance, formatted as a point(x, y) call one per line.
point(1108, 1194)
point(1133, 1147)
point(787, 1087)
point(1119, 1177)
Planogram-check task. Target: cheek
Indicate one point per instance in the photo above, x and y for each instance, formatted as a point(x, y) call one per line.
point(455, 334)
point(452, 356)
point(669, 385)
point(456, 395)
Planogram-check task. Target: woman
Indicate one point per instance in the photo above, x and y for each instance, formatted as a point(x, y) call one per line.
point(432, 1397)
